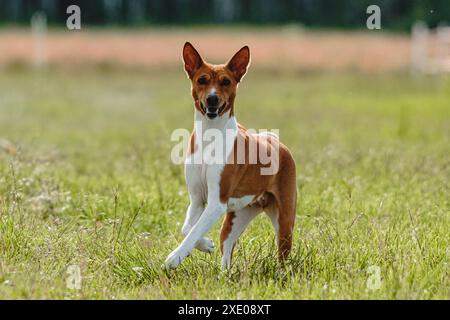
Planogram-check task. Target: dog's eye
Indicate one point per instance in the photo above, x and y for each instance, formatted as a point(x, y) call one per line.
point(226, 82)
point(202, 80)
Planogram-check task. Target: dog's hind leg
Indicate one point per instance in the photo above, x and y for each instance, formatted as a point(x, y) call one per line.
point(285, 199)
point(272, 212)
point(283, 222)
point(233, 226)
point(286, 206)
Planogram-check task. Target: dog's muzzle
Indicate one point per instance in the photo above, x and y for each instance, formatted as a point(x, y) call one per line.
point(212, 112)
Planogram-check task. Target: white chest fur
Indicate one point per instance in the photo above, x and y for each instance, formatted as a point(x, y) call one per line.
point(214, 143)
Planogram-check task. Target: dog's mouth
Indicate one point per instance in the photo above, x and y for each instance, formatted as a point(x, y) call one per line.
point(212, 112)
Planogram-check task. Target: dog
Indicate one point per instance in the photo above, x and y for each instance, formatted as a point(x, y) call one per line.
point(236, 188)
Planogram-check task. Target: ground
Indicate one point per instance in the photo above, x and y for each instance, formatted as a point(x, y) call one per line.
point(86, 183)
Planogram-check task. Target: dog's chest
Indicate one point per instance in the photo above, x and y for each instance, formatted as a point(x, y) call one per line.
point(196, 179)
point(204, 168)
point(199, 177)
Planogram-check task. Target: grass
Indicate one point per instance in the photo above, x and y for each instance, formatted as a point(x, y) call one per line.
point(86, 180)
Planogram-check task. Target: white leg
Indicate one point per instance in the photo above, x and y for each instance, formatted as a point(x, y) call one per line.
point(272, 212)
point(239, 223)
point(207, 219)
point(193, 213)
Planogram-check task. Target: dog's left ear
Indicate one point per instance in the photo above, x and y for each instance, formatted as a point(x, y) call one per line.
point(239, 63)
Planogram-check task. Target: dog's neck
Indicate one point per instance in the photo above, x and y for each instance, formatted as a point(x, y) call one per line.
point(219, 133)
point(221, 123)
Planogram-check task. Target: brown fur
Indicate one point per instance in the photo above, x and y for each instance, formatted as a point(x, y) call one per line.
point(239, 180)
point(226, 228)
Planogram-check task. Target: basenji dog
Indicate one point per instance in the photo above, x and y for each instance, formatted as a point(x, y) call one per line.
point(237, 186)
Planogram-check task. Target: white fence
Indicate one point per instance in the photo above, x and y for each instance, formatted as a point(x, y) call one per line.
point(39, 32)
point(430, 49)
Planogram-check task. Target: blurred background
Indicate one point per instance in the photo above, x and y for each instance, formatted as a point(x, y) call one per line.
point(397, 14)
point(290, 34)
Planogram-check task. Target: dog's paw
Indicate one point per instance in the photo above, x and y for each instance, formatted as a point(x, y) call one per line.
point(205, 245)
point(174, 259)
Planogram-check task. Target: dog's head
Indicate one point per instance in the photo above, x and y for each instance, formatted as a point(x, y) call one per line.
point(214, 86)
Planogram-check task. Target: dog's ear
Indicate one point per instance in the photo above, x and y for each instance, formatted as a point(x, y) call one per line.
point(192, 59)
point(239, 63)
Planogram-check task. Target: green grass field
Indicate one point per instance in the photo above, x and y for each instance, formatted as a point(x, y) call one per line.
point(92, 185)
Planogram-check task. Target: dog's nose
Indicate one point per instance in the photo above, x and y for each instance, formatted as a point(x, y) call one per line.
point(212, 100)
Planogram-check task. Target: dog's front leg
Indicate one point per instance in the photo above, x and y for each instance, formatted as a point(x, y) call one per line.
point(194, 211)
point(209, 217)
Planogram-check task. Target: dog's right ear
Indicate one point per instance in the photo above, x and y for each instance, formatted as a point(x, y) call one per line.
point(239, 63)
point(192, 59)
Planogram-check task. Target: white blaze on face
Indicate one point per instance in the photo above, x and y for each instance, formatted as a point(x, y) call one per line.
point(212, 91)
